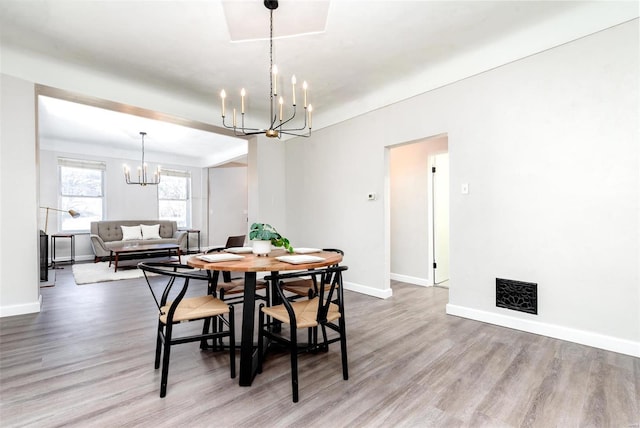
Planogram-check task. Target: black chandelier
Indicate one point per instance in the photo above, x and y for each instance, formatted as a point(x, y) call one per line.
point(142, 171)
point(278, 124)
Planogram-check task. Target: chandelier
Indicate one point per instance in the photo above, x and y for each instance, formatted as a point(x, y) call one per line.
point(278, 123)
point(142, 171)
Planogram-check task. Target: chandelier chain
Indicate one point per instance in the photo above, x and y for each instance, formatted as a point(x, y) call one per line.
point(271, 116)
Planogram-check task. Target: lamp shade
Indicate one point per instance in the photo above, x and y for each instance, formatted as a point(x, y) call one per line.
point(72, 213)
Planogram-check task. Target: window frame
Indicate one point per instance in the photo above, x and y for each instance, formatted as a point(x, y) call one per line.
point(80, 164)
point(188, 201)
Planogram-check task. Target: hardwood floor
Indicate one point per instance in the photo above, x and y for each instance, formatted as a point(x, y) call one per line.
point(87, 360)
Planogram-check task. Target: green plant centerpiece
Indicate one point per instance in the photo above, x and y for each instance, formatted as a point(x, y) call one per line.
point(266, 232)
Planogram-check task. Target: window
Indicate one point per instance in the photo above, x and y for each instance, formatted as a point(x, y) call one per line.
point(81, 188)
point(174, 197)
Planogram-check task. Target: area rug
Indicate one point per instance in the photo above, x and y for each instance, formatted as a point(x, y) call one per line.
point(89, 273)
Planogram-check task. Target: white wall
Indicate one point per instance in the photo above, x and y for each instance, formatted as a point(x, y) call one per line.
point(410, 210)
point(266, 183)
point(549, 146)
point(19, 236)
point(228, 205)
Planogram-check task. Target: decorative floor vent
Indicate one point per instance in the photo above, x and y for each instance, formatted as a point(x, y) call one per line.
point(517, 295)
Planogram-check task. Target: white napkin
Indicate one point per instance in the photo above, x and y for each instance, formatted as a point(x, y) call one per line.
point(220, 257)
point(297, 260)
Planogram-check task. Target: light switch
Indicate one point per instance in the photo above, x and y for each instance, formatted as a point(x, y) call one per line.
point(464, 188)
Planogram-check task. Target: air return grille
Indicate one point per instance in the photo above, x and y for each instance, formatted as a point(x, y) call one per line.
point(517, 295)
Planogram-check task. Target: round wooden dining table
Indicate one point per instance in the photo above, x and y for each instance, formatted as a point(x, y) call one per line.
point(250, 264)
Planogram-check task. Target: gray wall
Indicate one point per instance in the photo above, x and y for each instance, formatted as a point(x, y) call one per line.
point(549, 147)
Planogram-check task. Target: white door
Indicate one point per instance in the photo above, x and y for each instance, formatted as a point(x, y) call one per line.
point(440, 189)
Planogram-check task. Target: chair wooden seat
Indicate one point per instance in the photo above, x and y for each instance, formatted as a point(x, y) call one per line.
point(195, 308)
point(306, 312)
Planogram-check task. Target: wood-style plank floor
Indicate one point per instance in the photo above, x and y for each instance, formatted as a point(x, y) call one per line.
point(86, 360)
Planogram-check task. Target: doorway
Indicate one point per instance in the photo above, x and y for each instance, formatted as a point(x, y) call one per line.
point(418, 211)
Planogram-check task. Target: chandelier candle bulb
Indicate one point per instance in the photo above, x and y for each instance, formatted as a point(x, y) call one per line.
point(234, 117)
point(310, 109)
point(242, 94)
point(293, 91)
point(304, 90)
point(281, 104)
point(223, 95)
point(275, 79)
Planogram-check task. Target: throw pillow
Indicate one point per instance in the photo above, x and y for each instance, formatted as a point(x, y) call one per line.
point(150, 231)
point(131, 233)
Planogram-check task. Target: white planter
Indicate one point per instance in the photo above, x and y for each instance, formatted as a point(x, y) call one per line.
point(261, 248)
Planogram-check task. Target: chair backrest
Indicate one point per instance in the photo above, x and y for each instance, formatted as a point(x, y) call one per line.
point(235, 241)
point(172, 271)
point(328, 282)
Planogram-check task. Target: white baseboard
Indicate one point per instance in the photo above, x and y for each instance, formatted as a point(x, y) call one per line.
point(411, 280)
point(25, 308)
point(614, 344)
point(370, 291)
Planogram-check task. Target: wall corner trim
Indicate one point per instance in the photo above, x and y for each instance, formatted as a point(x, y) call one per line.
point(608, 343)
point(25, 308)
point(424, 282)
point(370, 291)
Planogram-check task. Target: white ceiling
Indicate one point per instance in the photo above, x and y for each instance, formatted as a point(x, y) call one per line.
point(353, 49)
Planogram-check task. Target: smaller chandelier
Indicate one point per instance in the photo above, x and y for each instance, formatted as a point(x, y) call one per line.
point(142, 171)
point(278, 123)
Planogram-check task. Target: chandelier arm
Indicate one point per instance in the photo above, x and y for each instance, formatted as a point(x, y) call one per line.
point(295, 134)
point(304, 125)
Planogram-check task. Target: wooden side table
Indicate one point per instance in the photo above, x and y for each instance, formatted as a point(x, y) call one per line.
point(72, 250)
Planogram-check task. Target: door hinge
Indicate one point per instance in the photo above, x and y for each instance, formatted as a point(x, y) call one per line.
point(433, 169)
point(435, 265)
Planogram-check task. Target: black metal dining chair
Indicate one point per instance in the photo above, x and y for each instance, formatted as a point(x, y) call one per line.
point(304, 287)
point(182, 309)
point(324, 310)
point(231, 290)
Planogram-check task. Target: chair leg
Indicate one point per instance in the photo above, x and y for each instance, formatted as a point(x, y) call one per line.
point(232, 342)
point(205, 330)
point(260, 336)
point(158, 344)
point(165, 361)
point(294, 365)
point(343, 349)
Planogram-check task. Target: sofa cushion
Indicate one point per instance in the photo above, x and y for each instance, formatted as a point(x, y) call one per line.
point(131, 233)
point(150, 231)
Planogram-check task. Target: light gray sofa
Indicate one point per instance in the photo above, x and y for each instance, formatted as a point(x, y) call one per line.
point(107, 234)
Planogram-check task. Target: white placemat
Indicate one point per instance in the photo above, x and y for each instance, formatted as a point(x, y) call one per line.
point(239, 250)
point(223, 257)
point(297, 260)
point(303, 250)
